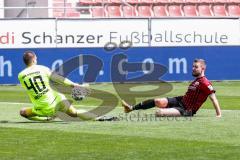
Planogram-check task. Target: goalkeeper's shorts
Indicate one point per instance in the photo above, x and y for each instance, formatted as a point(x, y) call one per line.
point(50, 110)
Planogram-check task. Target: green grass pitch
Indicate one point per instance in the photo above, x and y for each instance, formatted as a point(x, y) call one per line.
point(136, 136)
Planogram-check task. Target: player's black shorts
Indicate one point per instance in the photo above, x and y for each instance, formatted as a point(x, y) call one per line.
point(176, 102)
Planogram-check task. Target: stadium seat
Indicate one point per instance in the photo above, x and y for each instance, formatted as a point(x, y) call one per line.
point(175, 10)
point(162, 1)
point(106, 1)
point(89, 2)
point(160, 10)
point(221, 1)
point(147, 1)
point(234, 1)
point(113, 11)
point(132, 1)
point(58, 14)
point(85, 10)
point(62, 4)
point(102, 1)
point(233, 10)
point(219, 10)
point(72, 14)
point(192, 1)
point(144, 11)
point(190, 10)
point(206, 1)
point(177, 1)
point(128, 11)
point(116, 1)
point(98, 11)
point(204, 10)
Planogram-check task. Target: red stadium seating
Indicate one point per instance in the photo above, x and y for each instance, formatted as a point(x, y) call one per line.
point(190, 10)
point(154, 8)
point(102, 1)
point(233, 10)
point(160, 10)
point(128, 11)
point(204, 10)
point(177, 1)
point(206, 1)
point(219, 10)
point(144, 11)
point(234, 1)
point(116, 1)
point(72, 14)
point(175, 10)
point(132, 1)
point(98, 12)
point(192, 1)
point(113, 11)
point(147, 1)
point(89, 2)
point(221, 1)
point(163, 1)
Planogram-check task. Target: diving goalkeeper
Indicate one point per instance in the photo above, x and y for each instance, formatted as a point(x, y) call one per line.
point(46, 101)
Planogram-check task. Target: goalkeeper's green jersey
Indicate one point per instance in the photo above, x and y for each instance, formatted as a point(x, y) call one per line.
point(36, 80)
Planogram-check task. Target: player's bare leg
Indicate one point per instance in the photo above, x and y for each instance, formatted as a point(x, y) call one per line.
point(161, 102)
point(27, 113)
point(69, 109)
point(167, 112)
point(82, 114)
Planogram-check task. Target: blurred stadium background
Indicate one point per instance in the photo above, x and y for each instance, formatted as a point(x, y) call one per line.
point(165, 35)
point(118, 8)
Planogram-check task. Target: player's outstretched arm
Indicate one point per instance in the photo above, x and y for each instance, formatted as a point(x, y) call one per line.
point(78, 91)
point(215, 104)
point(62, 80)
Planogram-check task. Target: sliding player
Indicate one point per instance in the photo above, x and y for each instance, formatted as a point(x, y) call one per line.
point(46, 101)
point(198, 92)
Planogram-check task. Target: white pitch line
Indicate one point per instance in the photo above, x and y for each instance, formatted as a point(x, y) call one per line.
point(21, 103)
point(14, 103)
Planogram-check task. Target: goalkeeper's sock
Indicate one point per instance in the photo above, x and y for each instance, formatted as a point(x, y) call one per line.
point(38, 118)
point(144, 105)
point(85, 115)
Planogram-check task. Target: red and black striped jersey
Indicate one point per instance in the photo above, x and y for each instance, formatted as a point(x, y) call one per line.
point(197, 93)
